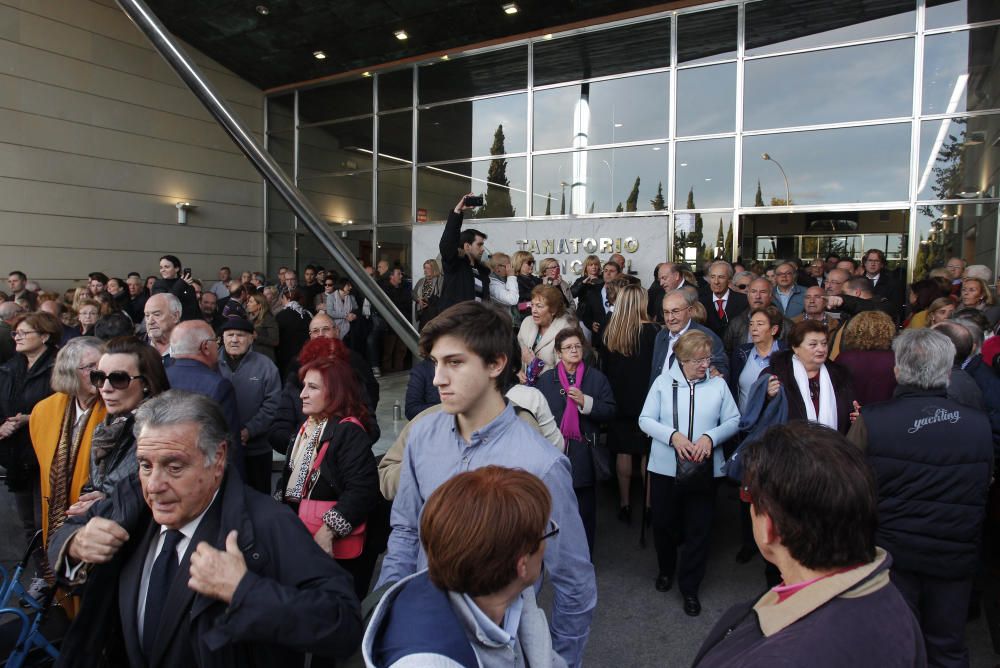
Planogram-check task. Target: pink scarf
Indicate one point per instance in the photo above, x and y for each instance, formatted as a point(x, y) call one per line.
point(570, 424)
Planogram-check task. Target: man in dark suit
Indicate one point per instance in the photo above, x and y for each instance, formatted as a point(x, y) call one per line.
point(186, 566)
point(884, 284)
point(721, 303)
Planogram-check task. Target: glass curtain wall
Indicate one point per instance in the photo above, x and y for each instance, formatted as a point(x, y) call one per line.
point(740, 124)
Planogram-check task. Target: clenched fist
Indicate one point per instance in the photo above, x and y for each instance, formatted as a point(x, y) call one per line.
point(97, 542)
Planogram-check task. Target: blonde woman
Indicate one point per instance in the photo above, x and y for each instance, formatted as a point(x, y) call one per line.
point(523, 266)
point(427, 291)
point(265, 326)
point(590, 279)
point(627, 354)
point(551, 274)
point(940, 310)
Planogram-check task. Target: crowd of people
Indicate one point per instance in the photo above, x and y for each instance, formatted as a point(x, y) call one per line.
point(858, 418)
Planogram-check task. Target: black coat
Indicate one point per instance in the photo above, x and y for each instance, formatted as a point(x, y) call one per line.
point(654, 303)
point(735, 304)
point(294, 598)
point(595, 384)
point(623, 371)
point(843, 387)
point(184, 292)
point(458, 284)
point(20, 389)
point(931, 499)
point(594, 311)
point(293, 332)
point(420, 391)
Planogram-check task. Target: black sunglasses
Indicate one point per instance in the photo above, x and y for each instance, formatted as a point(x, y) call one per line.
point(118, 379)
point(553, 530)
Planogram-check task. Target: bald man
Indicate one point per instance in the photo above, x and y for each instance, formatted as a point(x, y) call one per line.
point(193, 366)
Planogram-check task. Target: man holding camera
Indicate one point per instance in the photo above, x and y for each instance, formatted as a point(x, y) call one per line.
point(465, 276)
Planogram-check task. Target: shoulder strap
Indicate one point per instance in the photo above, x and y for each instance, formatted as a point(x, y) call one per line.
point(354, 420)
point(677, 423)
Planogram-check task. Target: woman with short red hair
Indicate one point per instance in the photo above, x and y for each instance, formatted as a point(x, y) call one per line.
point(484, 534)
point(330, 477)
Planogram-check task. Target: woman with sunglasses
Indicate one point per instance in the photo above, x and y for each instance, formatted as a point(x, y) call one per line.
point(485, 533)
point(24, 381)
point(580, 398)
point(523, 265)
point(128, 373)
point(689, 414)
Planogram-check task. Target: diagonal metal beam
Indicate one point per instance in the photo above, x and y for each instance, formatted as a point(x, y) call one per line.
point(179, 61)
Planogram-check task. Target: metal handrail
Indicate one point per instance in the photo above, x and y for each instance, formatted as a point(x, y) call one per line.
point(168, 48)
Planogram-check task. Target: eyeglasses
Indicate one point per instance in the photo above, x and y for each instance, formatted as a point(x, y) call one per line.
point(21, 333)
point(745, 494)
point(741, 286)
point(676, 312)
point(553, 530)
point(571, 348)
point(87, 367)
point(783, 273)
point(701, 361)
point(118, 379)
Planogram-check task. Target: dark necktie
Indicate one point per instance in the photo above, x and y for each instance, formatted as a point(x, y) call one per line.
point(160, 578)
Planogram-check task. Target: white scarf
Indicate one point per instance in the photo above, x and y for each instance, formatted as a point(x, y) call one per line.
point(827, 398)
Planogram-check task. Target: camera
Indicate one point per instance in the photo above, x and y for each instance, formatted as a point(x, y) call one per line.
point(472, 200)
point(187, 273)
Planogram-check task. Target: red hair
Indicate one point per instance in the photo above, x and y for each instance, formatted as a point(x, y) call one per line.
point(331, 359)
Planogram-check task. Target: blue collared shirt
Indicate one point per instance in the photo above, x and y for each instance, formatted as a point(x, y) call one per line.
point(505, 635)
point(435, 452)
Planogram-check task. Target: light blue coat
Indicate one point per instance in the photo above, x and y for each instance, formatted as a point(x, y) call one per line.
point(715, 415)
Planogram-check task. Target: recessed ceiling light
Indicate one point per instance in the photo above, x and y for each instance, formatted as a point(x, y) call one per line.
point(547, 36)
point(510, 8)
point(657, 148)
point(684, 164)
point(618, 125)
point(401, 35)
point(708, 179)
point(263, 10)
point(319, 55)
point(444, 57)
point(366, 74)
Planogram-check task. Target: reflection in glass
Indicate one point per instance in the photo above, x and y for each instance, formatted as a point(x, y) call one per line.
point(335, 147)
point(968, 231)
point(281, 113)
point(863, 164)
point(785, 25)
point(702, 237)
point(706, 100)
point(395, 139)
point(959, 71)
point(394, 188)
point(704, 173)
point(704, 37)
point(958, 158)
point(501, 182)
point(943, 13)
point(339, 100)
point(602, 112)
point(395, 246)
point(493, 126)
point(640, 46)
point(854, 83)
point(459, 78)
point(341, 198)
point(395, 89)
point(600, 181)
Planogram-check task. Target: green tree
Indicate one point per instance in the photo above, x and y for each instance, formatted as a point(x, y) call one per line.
point(592, 205)
point(618, 209)
point(658, 203)
point(720, 242)
point(498, 203)
point(729, 240)
point(548, 204)
point(697, 238)
point(562, 203)
point(632, 202)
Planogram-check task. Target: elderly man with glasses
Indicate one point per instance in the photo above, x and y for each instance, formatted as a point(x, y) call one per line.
point(677, 316)
point(787, 293)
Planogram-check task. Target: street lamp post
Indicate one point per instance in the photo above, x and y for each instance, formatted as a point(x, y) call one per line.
point(788, 197)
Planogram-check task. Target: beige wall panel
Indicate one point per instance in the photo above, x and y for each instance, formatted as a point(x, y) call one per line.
point(66, 168)
point(26, 129)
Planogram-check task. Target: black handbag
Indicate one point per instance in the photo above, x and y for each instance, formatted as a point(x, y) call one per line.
point(690, 476)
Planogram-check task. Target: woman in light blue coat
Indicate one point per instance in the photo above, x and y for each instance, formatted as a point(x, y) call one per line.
point(689, 415)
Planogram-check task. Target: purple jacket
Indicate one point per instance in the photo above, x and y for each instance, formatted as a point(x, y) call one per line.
point(855, 618)
point(871, 371)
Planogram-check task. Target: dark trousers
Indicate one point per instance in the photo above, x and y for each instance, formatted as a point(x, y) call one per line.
point(393, 352)
point(941, 607)
point(258, 472)
point(373, 343)
point(682, 522)
point(586, 499)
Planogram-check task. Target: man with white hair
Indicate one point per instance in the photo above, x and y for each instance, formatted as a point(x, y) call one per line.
point(162, 312)
point(194, 367)
point(931, 500)
point(980, 271)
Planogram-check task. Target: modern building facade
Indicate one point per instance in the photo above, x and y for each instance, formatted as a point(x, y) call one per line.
point(750, 129)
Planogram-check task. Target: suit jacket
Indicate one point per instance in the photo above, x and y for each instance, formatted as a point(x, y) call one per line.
point(193, 376)
point(420, 391)
point(293, 599)
point(720, 360)
point(594, 311)
point(892, 289)
point(735, 304)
